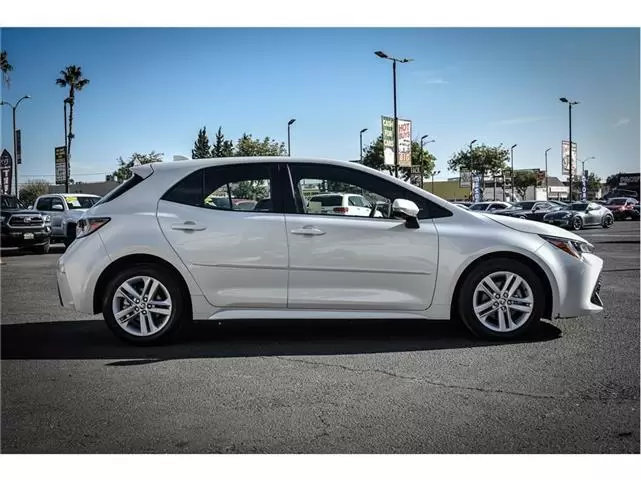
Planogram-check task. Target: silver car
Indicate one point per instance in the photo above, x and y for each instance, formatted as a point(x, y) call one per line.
point(65, 209)
point(579, 215)
point(152, 255)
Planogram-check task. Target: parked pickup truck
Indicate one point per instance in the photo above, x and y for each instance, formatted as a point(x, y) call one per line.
point(22, 228)
point(65, 210)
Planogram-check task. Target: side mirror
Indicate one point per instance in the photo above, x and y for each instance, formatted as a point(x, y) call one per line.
point(57, 207)
point(407, 210)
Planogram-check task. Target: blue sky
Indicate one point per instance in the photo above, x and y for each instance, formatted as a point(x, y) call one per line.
point(152, 89)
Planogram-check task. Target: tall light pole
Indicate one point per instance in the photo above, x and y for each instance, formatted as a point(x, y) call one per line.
point(422, 162)
point(547, 188)
point(570, 104)
point(584, 178)
point(583, 164)
point(289, 144)
point(15, 138)
point(394, 60)
point(512, 169)
point(434, 173)
point(361, 137)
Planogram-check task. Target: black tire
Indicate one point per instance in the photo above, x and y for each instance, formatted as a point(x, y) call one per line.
point(41, 249)
point(576, 223)
point(465, 307)
point(180, 318)
point(607, 221)
point(71, 234)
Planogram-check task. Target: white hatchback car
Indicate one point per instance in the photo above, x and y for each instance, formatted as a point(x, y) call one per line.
point(152, 255)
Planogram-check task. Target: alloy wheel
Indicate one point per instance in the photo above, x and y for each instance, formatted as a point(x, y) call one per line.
point(503, 301)
point(142, 306)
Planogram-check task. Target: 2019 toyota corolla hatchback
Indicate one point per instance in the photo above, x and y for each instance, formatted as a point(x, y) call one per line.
point(152, 254)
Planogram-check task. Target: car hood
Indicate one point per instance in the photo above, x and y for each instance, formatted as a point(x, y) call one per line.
point(537, 228)
point(16, 211)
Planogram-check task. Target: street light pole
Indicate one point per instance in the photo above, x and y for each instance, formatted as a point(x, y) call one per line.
point(512, 169)
point(394, 60)
point(547, 188)
point(15, 138)
point(422, 162)
point(289, 145)
point(361, 137)
point(570, 104)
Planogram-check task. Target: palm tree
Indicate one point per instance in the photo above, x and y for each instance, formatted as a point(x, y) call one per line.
point(5, 67)
point(71, 77)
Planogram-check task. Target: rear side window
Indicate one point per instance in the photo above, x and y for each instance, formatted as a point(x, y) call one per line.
point(130, 183)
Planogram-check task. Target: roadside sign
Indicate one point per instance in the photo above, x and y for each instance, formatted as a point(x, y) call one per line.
point(465, 180)
point(565, 158)
point(18, 147)
point(584, 185)
point(60, 154)
point(404, 135)
point(388, 139)
point(6, 170)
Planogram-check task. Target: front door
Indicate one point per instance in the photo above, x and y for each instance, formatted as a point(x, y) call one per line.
point(238, 257)
point(55, 208)
point(340, 261)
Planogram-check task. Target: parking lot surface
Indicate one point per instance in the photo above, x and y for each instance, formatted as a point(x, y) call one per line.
point(69, 386)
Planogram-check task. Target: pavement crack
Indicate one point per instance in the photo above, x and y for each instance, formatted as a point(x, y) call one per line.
point(422, 380)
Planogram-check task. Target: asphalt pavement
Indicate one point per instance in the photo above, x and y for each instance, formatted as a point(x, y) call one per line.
point(69, 386)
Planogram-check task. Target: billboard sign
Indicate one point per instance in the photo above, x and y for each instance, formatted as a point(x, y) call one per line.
point(565, 158)
point(404, 141)
point(60, 154)
point(477, 189)
point(6, 170)
point(18, 147)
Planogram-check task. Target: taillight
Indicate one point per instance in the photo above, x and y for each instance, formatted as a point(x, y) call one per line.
point(86, 226)
point(340, 209)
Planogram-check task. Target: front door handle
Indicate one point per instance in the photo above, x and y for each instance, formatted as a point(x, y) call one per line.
point(188, 226)
point(308, 230)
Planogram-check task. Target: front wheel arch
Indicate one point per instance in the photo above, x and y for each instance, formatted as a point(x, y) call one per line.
point(549, 298)
point(126, 261)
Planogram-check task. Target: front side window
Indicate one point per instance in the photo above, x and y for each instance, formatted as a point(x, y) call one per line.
point(10, 202)
point(241, 187)
point(55, 201)
point(44, 204)
point(334, 190)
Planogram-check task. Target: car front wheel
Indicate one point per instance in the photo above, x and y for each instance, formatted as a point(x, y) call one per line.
point(576, 223)
point(501, 299)
point(145, 305)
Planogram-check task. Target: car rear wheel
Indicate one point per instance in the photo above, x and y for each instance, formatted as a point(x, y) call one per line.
point(145, 305)
point(501, 299)
point(576, 223)
point(71, 234)
point(608, 221)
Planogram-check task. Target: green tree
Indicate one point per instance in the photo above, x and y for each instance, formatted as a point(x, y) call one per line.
point(201, 145)
point(613, 181)
point(124, 167)
point(72, 78)
point(524, 179)
point(32, 190)
point(247, 146)
point(5, 68)
point(483, 158)
point(373, 157)
point(222, 147)
point(593, 185)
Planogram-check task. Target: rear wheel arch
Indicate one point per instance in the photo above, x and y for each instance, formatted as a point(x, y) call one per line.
point(549, 298)
point(127, 261)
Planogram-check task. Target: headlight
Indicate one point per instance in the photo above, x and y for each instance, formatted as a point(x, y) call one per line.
point(573, 247)
point(46, 218)
point(86, 226)
point(3, 219)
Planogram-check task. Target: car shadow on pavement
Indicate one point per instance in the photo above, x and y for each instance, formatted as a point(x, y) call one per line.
point(90, 339)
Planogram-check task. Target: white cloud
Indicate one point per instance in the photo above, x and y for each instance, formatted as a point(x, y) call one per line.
point(519, 120)
point(621, 122)
point(436, 81)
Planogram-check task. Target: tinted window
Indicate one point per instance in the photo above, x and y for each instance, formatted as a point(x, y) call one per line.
point(328, 200)
point(498, 206)
point(228, 187)
point(577, 206)
point(479, 206)
point(57, 201)
point(11, 202)
point(525, 205)
point(346, 180)
point(44, 204)
point(130, 183)
point(617, 201)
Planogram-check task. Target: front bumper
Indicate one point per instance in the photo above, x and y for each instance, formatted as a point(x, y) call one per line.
point(12, 238)
point(558, 222)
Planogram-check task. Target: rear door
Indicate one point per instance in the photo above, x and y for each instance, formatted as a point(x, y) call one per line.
point(238, 257)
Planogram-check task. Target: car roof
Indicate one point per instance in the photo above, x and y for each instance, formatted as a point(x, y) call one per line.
point(70, 195)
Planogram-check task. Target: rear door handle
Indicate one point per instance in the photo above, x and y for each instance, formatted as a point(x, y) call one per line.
point(308, 230)
point(188, 226)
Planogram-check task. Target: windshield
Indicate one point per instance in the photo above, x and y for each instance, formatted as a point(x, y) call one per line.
point(77, 203)
point(617, 201)
point(479, 206)
point(524, 205)
point(579, 207)
point(11, 202)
